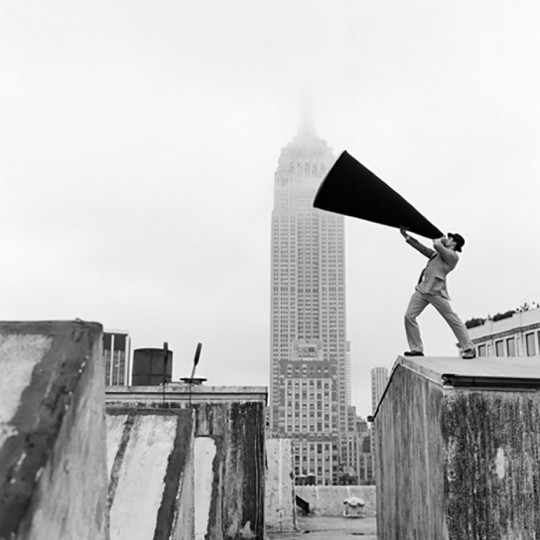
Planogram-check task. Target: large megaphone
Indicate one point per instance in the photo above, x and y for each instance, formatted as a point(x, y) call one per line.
point(351, 189)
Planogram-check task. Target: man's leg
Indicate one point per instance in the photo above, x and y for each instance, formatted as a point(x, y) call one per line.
point(442, 305)
point(417, 304)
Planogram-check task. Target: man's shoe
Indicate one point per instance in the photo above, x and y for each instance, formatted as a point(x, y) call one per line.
point(413, 353)
point(468, 354)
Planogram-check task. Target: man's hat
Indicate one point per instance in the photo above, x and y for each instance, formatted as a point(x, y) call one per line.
point(460, 241)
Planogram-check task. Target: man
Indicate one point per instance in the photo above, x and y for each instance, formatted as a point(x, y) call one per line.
point(431, 289)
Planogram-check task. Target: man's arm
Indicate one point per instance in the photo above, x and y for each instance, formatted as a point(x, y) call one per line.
point(448, 255)
point(424, 250)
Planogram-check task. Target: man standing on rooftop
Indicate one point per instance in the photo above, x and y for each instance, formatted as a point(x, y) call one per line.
point(431, 289)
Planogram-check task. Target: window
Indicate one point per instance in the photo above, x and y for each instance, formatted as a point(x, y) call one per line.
point(529, 344)
point(499, 348)
point(481, 350)
point(511, 346)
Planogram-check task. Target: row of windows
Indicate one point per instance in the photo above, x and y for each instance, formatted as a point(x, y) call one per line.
point(308, 246)
point(311, 460)
point(290, 310)
point(304, 404)
point(302, 448)
point(508, 347)
point(306, 370)
point(310, 382)
point(298, 404)
point(304, 428)
point(312, 415)
point(299, 471)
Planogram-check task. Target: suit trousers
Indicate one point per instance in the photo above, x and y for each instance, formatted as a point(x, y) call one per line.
point(417, 304)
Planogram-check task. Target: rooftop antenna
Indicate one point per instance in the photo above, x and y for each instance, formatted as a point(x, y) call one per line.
point(165, 361)
point(192, 380)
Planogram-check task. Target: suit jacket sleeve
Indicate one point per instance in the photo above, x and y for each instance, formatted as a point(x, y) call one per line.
point(424, 250)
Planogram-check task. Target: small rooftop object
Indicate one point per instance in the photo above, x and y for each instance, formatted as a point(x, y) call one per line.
point(192, 379)
point(152, 366)
point(354, 507)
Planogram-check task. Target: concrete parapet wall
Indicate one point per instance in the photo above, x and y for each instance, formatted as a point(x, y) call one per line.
point(186, 471)
point(147, 456)
point(328, 500)
point(280, 506)
point(175, 393)
point(410, 490)
point(492, 465)
point(235, 432)
point(52, 435)
point(459, 446)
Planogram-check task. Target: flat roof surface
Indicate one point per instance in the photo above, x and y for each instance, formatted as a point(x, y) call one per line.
point(512, 373)
point(509, 367)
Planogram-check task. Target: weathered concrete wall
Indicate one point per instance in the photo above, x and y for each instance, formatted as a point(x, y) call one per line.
point(52, 435)
point(492, 466)
point(237, 503)
point(147, 456)
point(409, 447)
point(459, 451)
point(328, 500)
point(212, 475)
point(280, 506)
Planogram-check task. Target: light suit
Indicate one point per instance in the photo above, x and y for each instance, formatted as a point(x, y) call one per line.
point(431, 289)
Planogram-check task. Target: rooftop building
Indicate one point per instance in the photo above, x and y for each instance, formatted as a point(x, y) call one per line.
point(517, 334)
point(117, 356)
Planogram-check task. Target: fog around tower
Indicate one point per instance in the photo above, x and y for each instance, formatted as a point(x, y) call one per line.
point(139, 142)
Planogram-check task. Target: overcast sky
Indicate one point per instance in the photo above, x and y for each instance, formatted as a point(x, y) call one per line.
point(139, 141)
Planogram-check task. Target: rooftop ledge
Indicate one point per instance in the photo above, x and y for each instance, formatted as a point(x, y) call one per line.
point(451, 371)
point(184, 392)
point(515, 373)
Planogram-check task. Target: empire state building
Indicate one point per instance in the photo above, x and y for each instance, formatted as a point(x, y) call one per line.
point(309, 379)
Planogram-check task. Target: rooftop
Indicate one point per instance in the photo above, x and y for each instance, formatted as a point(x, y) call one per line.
point(516, 373)
point(185, 392)
point(439, 368)
point(519, 320)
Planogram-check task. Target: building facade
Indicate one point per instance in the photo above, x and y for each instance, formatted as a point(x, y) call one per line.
point(356, 454)
point(515, 335)
point(379, 380)
point(366, 471)
point(309, 379)
point(117, 356)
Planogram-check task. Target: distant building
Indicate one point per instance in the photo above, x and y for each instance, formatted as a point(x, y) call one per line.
point(364, 457)
point(517, 334)
point(116, 353)
point(309, 372)
point(354, 468)
point(379, 380)
point(366, 472)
